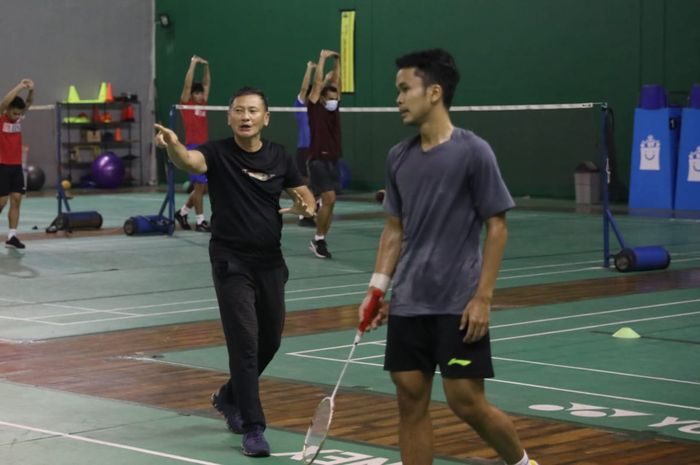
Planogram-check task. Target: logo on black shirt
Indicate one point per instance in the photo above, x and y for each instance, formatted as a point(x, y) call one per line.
point(259, 176)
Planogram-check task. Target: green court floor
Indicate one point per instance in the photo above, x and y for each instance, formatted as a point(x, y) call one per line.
point(41, 426)
point(555, 361)
point(80, 285)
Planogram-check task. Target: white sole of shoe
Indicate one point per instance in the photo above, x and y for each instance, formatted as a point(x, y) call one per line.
point(313, 249)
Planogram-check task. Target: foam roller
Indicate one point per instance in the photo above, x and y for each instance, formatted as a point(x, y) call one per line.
point(71, 221)
point(152, 224)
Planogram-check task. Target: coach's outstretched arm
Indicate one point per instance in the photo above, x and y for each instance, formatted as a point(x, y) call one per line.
point(191, 161)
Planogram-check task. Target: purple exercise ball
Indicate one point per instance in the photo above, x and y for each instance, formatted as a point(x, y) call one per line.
point(108, 170)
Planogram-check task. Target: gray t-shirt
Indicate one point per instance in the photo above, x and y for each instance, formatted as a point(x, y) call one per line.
point(442, 196)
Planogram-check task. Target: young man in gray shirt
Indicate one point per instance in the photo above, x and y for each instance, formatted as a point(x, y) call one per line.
point(442, 186)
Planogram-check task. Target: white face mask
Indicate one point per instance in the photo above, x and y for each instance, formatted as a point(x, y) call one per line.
point(331, 105)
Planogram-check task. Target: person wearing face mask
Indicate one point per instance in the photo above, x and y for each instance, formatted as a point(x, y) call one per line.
point(12, 110)
point(325, 149)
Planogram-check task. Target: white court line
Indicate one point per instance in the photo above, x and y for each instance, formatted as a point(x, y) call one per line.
point(316, 297)
point(13, 318)
point(99, 320)
point(685, 260)
point(16, 301)
point(551, 388)
point(115, 445)
point(534, 267)
point(602, 312)
point(314, 289)
point(90, 312)
point(84, 242)
point(358, 360)
point(596, 394)
point(305, 353)
point(147, 315)
point(302, 353)
point(532, 275)
point(547, 333)
point(595, 370)
point(120, 310)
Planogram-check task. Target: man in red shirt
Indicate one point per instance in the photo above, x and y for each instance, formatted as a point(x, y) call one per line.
point(196, 133)
point(12, 110)
point(325, 149)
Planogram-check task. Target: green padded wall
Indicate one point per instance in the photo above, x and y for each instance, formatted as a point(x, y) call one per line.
point(508, 51)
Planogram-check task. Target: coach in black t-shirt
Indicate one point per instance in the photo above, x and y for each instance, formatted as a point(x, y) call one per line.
point(246, 177)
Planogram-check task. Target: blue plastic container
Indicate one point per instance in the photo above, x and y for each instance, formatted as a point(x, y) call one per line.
point(653, 97)
point(694, 97)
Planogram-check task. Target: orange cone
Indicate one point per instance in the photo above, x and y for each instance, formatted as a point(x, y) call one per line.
point(128, 113)
point(118, 135)
point(109, 97)
point(96, 117)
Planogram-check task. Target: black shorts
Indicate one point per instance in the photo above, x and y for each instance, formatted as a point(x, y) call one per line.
point(324, 176)
point(424, 342)
point(11, 180)
point(302, 158)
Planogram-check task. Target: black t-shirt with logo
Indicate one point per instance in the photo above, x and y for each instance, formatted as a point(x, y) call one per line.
point(244, 191)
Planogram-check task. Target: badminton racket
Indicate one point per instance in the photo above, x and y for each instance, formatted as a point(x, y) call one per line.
point(321, 421)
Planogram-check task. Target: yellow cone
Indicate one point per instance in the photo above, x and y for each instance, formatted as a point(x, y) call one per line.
point(626, 333)
point(102, 95)
point(73, 95)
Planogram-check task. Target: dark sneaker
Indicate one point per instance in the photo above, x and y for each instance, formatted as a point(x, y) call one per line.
point(319, 248)
point(307, 222)
point(203, 227)
point(254, 444)
point(14, 243)
point(182, 219)
point(234, 422)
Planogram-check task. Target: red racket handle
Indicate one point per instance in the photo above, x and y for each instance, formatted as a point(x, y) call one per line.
point(370, 310)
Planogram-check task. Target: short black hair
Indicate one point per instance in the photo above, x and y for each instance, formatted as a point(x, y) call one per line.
point(433, 66)
point(196, 87)
point(249, 91)
point(327, 89)
point(18, 103)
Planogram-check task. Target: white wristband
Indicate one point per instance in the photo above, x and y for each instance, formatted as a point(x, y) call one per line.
point(380, 281)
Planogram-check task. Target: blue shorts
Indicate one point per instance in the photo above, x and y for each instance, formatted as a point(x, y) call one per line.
point(196, 178)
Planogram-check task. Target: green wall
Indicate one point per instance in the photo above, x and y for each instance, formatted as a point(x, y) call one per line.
point(508, 51)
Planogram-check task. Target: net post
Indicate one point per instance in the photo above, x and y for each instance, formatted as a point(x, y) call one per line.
point(61, 196)
point(604, 181)
point(59, 191)
point(170, 173)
